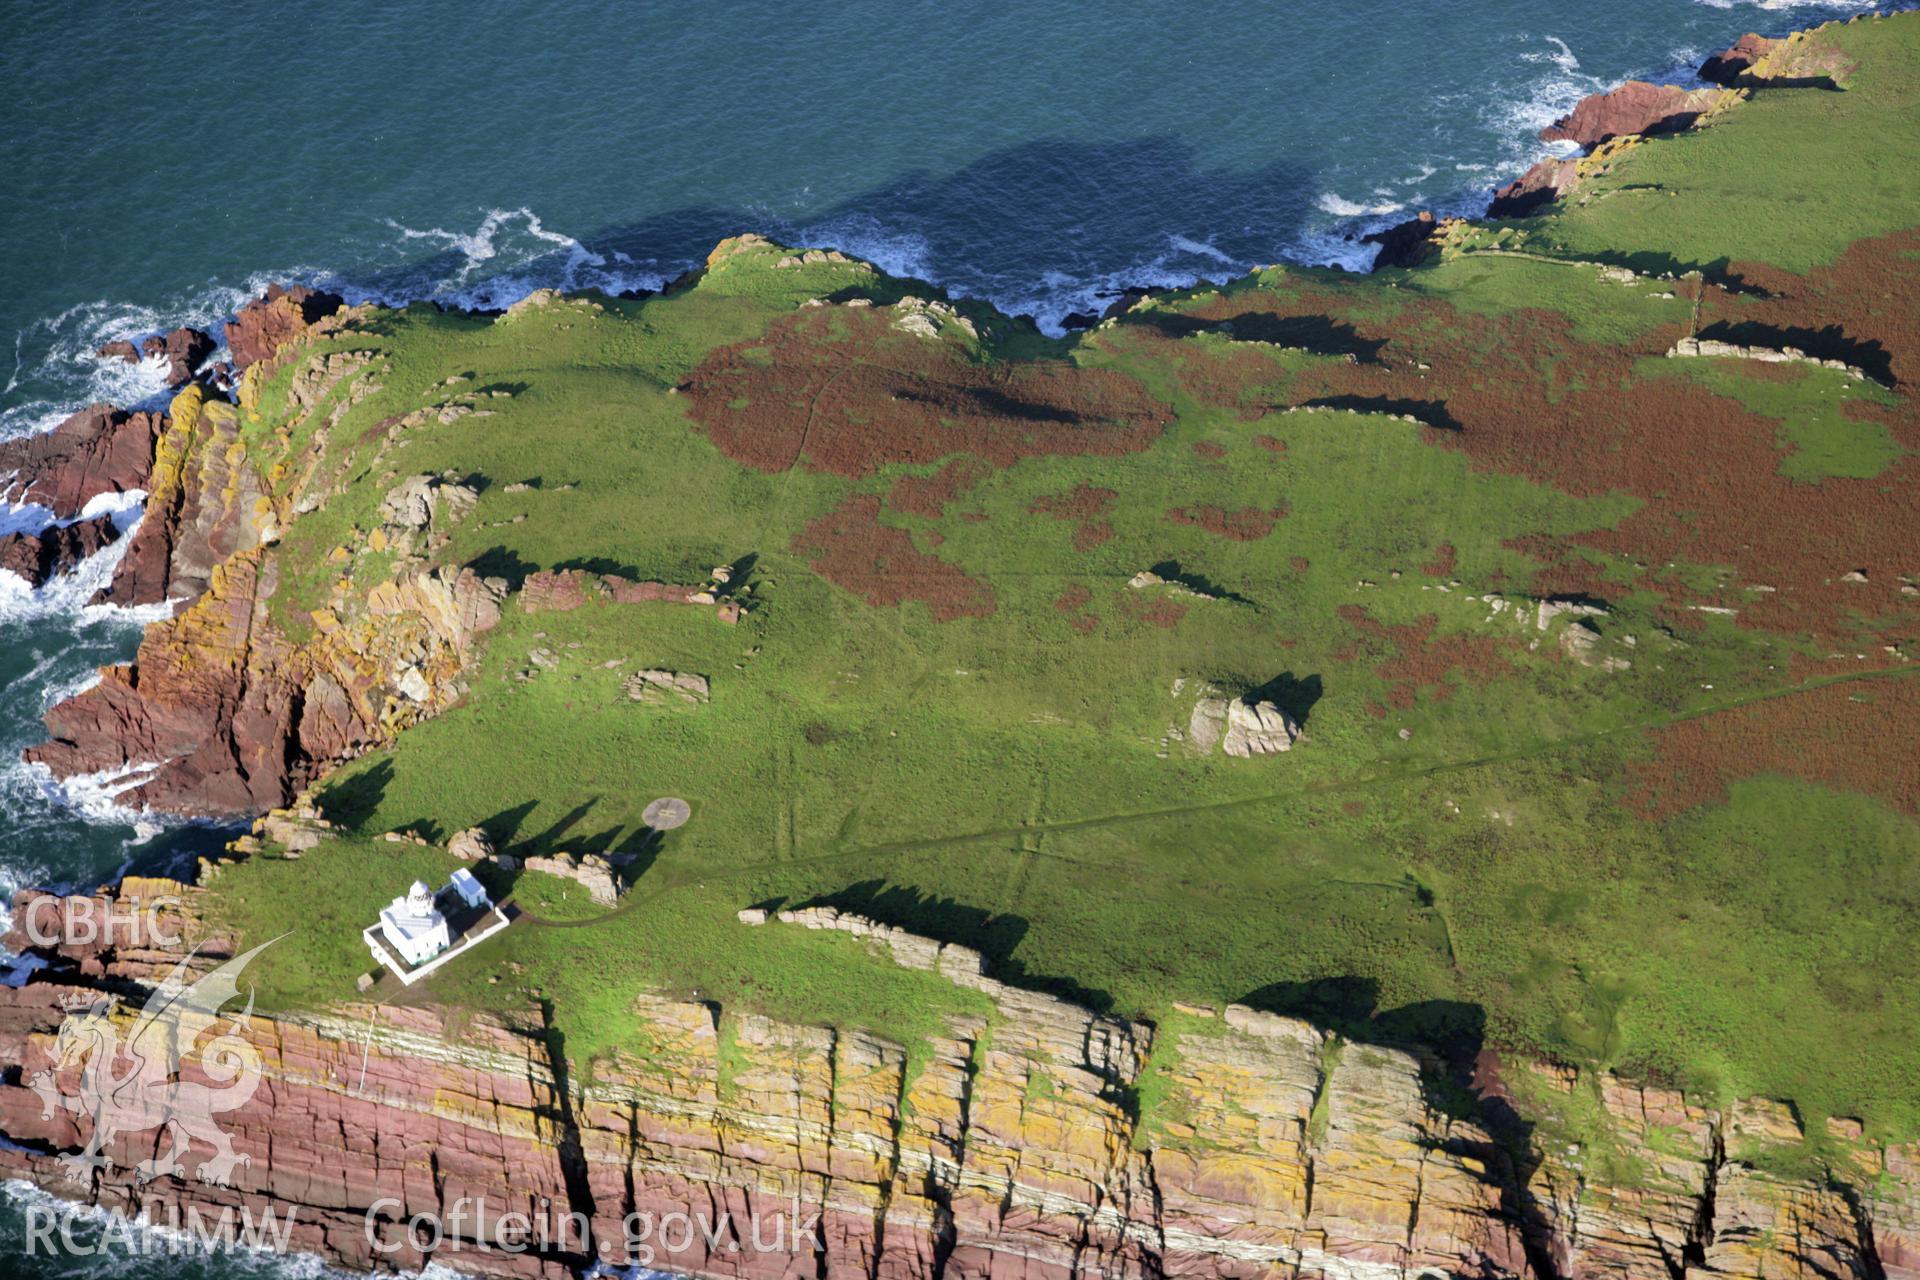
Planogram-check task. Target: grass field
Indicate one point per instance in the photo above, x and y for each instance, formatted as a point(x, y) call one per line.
point(947, 708)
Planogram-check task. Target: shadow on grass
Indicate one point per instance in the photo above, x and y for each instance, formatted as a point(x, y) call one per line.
point(1317, 334)
point(1295, 695)
point(1829, 343)
point(499, 562)
point(995, 935)
point(1452, 1030)
point(350, 801)
point(601, 565)
point(1170, 571)
point(1431, 413)
point(631, 850)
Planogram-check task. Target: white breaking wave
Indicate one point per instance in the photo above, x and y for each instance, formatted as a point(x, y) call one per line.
point(137, 1247)
point(896, 252)
point(1782, 6)
point(509, 255)
point(1518, 121)
point(1201, 248)
point(1340, 208)
point(58, 371)
point(97, 795)
point(61, 671)
point(68, 594)
point(1058, 294)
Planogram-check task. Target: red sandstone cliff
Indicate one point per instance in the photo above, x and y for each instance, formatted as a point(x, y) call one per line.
point(1268, 1150)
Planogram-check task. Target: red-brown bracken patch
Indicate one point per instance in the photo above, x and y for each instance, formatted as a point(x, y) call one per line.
point(1209, 450)
point(1071, 602)
point(1248, 524)
point(1441, 566)
point(1073, 599)
point(1160, 611)
point(1411, 659)
point(1864, 309)
point(850, 548)
point(929, 495)
point(1272, 444)
point(1298, 564)
point(1165, 614)
point(1085, 504)
point(1822, 735)
point(838, 390)
point(1519, 393)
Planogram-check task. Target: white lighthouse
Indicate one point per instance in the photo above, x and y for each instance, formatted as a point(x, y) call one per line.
point(414, 926)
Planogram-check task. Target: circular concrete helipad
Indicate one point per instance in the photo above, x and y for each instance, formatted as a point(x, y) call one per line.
point(666, 813)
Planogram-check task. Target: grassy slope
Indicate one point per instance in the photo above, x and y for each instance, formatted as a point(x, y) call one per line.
point(1789, 178)
point(1001, 780)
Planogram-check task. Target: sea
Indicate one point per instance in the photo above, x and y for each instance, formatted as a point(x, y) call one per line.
point(163, 162)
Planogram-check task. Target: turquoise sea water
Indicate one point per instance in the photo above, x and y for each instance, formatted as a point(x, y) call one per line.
point(162, 162)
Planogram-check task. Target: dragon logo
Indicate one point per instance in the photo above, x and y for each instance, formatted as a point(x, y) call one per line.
point(131, 1086)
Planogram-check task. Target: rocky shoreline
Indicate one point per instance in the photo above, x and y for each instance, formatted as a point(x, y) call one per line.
point(219, 714)
point(1604, 125)
point(1011, 1146)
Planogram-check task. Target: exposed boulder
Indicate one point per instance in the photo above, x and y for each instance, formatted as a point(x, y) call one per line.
point(55, 550)
point(563, 590)
point(457, 605)
point(1539, 186)
point(421, 502)
point(1406, 244)
point(928, 318)
point(534, 301)
point(1731, 64)
point(592, 872)
point(120, 349)
point(662, 687)
point(556, 590)
point(471, 845)
point(812, 257)
point(1635, 107)
point(184, 350)
point(100, 450)
point(1258, 729)
point(324, 371)
point(1581, 642)
point(1129, 296)
point(1712, 348)
point(283, 313)
point(1243, 729)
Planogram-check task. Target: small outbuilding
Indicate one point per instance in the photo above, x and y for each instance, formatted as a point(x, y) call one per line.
point(470, 889)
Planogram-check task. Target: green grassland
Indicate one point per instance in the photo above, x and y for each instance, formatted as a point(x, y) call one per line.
point(1790, 178)
point(1447, 856)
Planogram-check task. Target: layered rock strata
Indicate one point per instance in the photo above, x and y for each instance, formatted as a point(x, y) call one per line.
point(221, 712)
point(1032, 1138)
